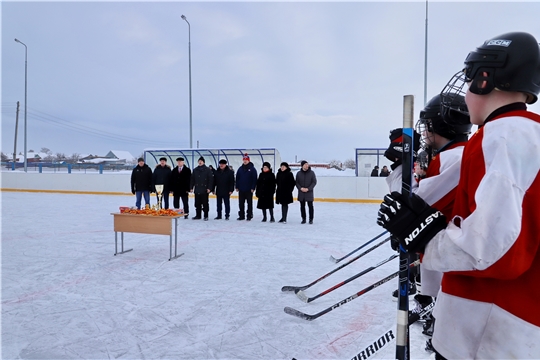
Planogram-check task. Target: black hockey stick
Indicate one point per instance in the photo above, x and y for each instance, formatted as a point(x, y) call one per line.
point(352, 252)
point(308, 317)
point(403, 351)
point(305, 299)
point(295, 288)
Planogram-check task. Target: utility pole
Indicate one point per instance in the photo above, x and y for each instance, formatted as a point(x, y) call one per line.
point(16, 127)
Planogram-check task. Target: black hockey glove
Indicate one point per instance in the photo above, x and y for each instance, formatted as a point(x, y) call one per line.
point(395, 150)
point(411, 220)
point(394, 243)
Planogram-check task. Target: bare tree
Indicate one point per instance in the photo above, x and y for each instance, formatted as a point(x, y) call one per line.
point(349, 164)
point(335, 164)
point(46, 151)
point(60, 157)
point(74, 158)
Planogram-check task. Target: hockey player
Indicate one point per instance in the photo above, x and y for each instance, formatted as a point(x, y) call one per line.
point(444, 131)
point(490, 250)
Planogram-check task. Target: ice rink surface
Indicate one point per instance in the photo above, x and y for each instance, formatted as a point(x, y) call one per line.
point(66, 296)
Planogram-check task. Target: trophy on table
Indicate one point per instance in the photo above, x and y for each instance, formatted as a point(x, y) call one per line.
point(159, 191)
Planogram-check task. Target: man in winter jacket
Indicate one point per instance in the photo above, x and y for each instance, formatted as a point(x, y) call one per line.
point(180, 185)
point(202, 183)
point(162, 176)
point(246, 182)
point(305, 182)
point(141, 183)
point(223, 188)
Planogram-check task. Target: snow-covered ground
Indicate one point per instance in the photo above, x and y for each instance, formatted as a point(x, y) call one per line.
point(65, 296)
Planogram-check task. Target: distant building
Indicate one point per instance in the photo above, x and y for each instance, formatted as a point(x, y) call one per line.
point(122, 157)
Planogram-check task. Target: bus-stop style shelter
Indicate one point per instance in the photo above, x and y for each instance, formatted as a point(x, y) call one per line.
point(212, 157)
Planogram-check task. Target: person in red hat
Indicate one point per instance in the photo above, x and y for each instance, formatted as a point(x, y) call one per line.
point(246, 182)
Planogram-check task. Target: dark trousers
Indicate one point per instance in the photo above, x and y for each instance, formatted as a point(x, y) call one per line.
point(284, 211)
point(303, 209)
point(224, 200)
point(242, 197)
point(201, 204)
point(185, 201)
point(164, 200)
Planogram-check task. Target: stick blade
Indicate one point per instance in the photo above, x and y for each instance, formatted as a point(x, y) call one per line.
point(297, 313)
point(290, 288)
point(302, 296)
point(333, 259)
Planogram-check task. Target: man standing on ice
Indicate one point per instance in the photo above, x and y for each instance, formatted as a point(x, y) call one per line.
point(490, 250)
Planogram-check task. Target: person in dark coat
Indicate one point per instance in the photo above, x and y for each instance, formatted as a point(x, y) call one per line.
point(162, 176)
point(246, 182)
point(305, 182)
point(180, 185)
point(141, 183)
point(202, 183)
point(266, 187)
point(375, 171)
point(223, 188)
point(384, 171)
point(284, 193)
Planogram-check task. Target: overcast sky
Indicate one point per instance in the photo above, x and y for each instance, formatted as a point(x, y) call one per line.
point(313, 79)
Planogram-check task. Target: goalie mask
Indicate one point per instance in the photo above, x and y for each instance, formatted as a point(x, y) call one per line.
point(508, 62)
point(450, 120)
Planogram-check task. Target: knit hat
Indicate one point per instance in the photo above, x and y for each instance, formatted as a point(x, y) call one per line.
point(267, 164)
point(246, 157)
point(201, 159)
point(223, 161)
point(284, 164)
point(140, 159)
point(163, 158)
point(180, 159)
point(303, 162)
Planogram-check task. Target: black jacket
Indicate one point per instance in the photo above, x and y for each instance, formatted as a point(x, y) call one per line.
point(223, 181)
point(266, 187)
point(180, 182)
point(285, 185)
point(202, 179)
point(141, 178)
point(162, 176)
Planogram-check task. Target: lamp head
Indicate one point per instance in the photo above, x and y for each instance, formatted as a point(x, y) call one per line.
point(183, 17)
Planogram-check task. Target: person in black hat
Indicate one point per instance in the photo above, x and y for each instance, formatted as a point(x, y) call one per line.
point(202, 183)
point(141, 183)
point(284, 192)
point(180, 185)
point(223, 188)
point(266, 187)
point(305, 182)
point(162, 176)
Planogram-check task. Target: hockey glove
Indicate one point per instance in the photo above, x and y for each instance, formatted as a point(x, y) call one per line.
point(394, 243)
point(411, 220)
point(394, 152)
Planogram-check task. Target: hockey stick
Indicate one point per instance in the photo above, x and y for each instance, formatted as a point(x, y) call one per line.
point(352, 252)
point(305, 299)
point(388, 337)
point(295, 288)
point(403, 351)
point(308, 317)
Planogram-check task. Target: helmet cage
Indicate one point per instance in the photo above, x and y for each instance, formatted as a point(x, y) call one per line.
point(452, 95)
point(424, 127)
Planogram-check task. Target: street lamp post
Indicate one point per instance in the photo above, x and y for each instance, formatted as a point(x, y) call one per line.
point(25, 92)
point(190, 108)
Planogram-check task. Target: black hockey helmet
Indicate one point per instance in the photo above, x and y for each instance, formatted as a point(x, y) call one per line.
point(448, 120)
point(512, 63)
